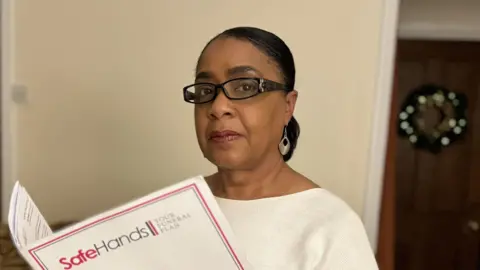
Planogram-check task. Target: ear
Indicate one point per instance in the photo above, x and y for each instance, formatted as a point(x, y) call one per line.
point(291, 101)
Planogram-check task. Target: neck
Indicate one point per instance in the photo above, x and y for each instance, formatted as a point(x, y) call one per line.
point(252, 184)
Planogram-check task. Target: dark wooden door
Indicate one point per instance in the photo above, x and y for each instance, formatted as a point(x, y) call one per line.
point(438, 195)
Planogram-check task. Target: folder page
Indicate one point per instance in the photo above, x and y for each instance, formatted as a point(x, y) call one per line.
point(179, 227)
point(26, 223)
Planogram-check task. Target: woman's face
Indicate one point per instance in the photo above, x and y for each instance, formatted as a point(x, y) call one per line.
point(238, 134)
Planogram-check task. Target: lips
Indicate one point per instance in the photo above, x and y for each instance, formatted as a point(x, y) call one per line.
point(223, 136)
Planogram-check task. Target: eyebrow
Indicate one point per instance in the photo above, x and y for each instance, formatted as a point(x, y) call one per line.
point(238, 70)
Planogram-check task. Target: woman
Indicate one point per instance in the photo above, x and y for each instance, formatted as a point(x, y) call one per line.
point(244, 95)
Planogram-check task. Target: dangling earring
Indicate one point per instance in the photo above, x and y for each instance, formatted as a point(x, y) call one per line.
point(284, 145)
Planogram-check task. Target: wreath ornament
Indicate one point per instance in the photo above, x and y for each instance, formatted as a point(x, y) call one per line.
point(433, 117)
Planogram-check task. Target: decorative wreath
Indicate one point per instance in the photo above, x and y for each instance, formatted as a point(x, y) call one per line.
point(451, 109)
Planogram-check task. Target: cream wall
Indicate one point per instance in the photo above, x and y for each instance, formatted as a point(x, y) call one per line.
point(105, 121)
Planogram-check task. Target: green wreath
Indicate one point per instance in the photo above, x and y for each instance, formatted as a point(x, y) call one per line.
point(452, 124)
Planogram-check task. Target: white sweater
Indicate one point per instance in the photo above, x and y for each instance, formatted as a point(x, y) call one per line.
point(309, 230)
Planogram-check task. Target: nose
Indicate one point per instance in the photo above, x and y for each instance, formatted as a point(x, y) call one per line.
point(221, 106)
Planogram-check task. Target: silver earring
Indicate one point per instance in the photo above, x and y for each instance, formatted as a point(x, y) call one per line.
point(284, 145)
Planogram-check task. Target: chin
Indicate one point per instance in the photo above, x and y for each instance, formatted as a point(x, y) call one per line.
point(226, 161)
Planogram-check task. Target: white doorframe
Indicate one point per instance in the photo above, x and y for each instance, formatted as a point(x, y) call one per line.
point(8, 123)
point(380, 123)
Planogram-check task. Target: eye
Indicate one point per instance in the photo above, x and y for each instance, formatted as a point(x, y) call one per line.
point(204, 90)
point(246, 87)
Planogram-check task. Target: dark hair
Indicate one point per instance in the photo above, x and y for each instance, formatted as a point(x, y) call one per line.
point(278, 51)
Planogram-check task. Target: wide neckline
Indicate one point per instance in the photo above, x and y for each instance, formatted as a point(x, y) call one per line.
point(275, 198)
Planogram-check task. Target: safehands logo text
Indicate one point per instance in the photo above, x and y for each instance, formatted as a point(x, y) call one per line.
point(150, 228)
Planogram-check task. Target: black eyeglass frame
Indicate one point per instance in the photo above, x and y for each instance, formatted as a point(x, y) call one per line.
point(264, 85)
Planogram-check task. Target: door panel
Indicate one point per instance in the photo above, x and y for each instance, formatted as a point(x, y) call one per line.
point(438, 195)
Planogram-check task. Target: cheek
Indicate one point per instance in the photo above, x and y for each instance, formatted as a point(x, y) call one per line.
point(261, 123)
point(201, 122)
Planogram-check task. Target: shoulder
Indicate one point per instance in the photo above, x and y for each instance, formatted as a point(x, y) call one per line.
point(326, 208)
point(340, 233)
point(337, 220)
point(323, 213)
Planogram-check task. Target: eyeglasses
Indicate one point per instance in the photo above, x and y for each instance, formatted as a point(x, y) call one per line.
point(234, 89)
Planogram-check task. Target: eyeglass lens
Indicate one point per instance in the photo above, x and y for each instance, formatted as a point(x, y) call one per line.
point(234, 89)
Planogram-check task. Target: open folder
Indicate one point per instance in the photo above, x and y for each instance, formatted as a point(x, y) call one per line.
point(180, 227)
